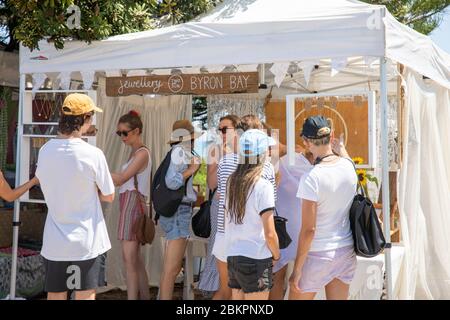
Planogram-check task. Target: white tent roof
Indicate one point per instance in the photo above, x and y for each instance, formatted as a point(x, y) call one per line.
point(254, 31)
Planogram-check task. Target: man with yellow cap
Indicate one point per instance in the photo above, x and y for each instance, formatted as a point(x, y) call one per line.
point(74, 178)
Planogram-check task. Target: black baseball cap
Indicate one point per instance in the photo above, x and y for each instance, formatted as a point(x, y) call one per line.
point(316, 127)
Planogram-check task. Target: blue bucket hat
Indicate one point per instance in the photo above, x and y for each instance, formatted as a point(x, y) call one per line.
point(255, 142)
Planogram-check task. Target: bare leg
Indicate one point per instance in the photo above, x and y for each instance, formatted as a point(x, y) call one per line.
point(85, 295)
point(57, 295)
point(173, 259)
point(277, 292)
point(144, 293)
point(237, 294)
point(301, 296)
point(224, 292)
point(257, 296)
point(130, 251)
point(337, 290)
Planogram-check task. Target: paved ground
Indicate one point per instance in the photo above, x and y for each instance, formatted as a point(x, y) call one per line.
point(118, 294)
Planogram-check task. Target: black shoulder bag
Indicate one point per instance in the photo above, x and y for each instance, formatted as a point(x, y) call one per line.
point(284, 240)
point(367, 233)
point(201, 221)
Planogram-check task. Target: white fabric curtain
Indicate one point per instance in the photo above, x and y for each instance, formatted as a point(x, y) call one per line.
point(424, 190)
point(157, 114)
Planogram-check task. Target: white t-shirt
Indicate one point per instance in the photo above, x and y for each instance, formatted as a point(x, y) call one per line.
point(247, 239)
point(288, 205)
point(333, 187)
point(70, 171)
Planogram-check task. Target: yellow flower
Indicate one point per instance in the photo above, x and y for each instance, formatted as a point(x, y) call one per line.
point(358, 160)
point(362, 176)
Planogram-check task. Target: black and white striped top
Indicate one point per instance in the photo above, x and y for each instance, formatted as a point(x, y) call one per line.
point(227, 165)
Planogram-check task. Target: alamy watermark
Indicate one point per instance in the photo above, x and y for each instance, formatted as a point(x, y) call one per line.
point(74, 19)
point(74, 279)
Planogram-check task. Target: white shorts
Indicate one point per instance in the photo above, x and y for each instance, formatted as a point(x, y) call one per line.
point(219, 248)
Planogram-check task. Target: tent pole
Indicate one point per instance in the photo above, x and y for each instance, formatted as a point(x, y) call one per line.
point(16, 218)
point(385, 175)
point(290, 128)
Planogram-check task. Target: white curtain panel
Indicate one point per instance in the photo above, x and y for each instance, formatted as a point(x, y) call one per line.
point(158, 114)
point(424, 190)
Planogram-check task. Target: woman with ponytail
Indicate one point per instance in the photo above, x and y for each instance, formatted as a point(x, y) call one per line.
point(251, 239)
point(137, 171)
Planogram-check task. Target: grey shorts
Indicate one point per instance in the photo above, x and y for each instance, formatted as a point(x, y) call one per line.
point(62, 276)
point(178, 225)
point(249, 275)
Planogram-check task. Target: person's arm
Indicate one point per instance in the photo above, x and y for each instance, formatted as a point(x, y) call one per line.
point(212, 176)
point(338, 148)
point(309, 213)
point(104, 180)
point(211, 168)
point(176, 177)
point(108, 198)
point(139, 162)
point(282, 150)
point(271, 234)
point(9, 194)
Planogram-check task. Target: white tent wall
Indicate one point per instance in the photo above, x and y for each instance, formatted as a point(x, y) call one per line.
point(158, 114)
point(424, 190)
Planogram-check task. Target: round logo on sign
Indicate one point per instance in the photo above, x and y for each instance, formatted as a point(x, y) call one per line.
point(175, 83)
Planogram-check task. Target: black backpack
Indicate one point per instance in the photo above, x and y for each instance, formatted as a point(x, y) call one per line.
point(201, 221)
point(165, 201)
point(367, 233)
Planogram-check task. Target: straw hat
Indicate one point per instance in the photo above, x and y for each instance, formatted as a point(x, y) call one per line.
point(183, 130)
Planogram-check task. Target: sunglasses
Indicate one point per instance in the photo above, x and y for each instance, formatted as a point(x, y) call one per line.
point(224, 129)
point(123, 133)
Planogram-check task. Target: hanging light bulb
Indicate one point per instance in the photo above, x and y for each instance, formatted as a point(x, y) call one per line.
point(358, 101)
point(334, 102)
point(308, 104)
point(320, 102)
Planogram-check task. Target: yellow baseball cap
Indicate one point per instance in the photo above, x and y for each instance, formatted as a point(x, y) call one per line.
point(77, 104)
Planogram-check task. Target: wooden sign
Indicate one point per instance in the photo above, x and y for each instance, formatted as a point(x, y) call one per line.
point(195, 84)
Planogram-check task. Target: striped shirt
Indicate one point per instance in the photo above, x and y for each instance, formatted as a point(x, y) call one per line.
point(227, 165)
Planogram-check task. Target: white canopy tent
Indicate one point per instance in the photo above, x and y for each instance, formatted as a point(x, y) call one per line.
point(246, 32)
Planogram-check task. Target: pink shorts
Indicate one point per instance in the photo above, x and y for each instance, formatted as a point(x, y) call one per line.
point(322, 267)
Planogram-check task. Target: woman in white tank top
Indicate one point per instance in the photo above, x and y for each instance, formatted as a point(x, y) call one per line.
point(132, 203)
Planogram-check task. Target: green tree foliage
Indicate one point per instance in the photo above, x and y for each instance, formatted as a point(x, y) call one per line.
point(421, 15)
point(29, 21)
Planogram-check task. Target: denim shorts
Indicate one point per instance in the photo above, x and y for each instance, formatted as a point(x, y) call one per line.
point(322, 267)
point(249, 275)
point(178, 225)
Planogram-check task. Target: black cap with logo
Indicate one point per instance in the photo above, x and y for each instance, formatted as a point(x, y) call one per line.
point(316, 127)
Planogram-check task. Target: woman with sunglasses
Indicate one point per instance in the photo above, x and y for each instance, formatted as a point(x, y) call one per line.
point(137, 169)
point(209, 278)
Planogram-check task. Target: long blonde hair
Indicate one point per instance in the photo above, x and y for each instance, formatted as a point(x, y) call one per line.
point(241, 184)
